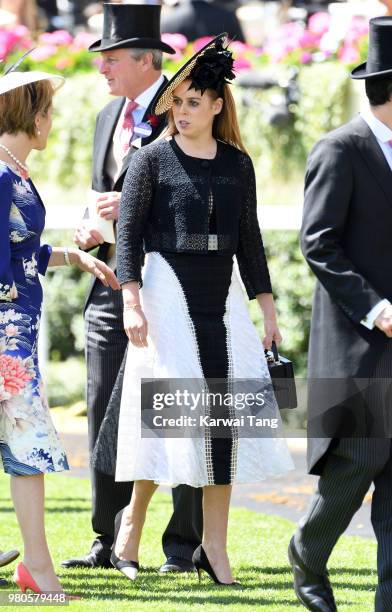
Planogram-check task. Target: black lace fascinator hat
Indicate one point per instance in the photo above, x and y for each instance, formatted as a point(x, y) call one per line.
point(209, 68)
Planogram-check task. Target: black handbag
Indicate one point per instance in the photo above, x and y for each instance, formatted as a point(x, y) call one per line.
point(282, 375)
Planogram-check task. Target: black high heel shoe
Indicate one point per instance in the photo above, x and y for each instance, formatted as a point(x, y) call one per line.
point(201, 562)
point(128, 568)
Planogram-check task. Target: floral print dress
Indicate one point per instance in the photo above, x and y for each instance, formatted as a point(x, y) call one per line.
point(29, 443)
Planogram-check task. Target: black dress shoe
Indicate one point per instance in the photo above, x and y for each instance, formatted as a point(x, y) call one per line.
point(8, 557)
point(99, 556)
point(314, 591)
point(3, 582)
point(176, 564)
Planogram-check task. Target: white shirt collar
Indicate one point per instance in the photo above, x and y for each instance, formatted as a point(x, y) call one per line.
point(147, 96)
point(381, 131)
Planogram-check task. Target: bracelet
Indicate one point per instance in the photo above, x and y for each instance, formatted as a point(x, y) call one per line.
point(66, 257)
point(132, 306)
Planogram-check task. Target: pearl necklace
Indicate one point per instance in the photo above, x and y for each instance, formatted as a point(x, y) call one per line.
point(24, 169)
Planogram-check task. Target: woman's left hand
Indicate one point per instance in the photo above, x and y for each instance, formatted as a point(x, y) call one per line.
point(91, 264)
point(272, 333)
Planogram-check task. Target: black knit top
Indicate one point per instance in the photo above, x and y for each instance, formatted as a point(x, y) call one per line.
point(166, 207)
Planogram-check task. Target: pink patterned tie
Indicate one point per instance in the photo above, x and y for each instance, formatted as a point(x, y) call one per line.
point(128, 126)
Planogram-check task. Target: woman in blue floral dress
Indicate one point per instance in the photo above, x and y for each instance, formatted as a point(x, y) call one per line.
point(29, 444)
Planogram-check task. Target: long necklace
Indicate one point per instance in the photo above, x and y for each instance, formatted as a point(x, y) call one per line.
point(24, 171)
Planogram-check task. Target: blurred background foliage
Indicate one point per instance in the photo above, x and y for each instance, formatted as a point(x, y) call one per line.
point(278, 150)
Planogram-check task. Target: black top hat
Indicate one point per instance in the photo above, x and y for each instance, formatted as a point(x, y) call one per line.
point(379, 61)
point(131, 26)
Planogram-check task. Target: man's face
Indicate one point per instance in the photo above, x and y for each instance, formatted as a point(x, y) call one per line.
point(122, 72)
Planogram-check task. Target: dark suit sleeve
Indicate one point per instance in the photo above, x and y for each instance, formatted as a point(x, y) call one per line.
point(250, 253)
point(135, 205)
point(329, 189)
point(95, 145)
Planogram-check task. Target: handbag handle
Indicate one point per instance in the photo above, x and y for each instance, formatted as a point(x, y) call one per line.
point(274, 350)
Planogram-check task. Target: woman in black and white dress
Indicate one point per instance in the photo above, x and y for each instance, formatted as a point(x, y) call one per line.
point(190, 200)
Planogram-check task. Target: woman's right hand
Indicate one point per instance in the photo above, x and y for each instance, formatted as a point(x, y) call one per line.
point(135, 326)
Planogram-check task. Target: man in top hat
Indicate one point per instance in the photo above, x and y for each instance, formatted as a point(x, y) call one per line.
point(346, 239)
point(131, 51)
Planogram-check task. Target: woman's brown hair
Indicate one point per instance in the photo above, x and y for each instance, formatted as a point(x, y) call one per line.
point(19, 107)
point(225, 126)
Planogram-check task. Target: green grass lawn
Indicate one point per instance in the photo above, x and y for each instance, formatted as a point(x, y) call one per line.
point(257, 548)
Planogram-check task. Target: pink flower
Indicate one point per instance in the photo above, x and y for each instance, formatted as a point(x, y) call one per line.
point(11, 330)
point(63, 62)
point(83, 40)
point(13, 376)
point(177, 41)
point(308, 39)
point(276, 51)
point(292, 30)
point(305, 58)
point(41, 54)
point(287, 38)
point(357, 30)
point(242, 64)
point(201, 42)
point(319, 23)
point(349, 54)
point(59, 38)
point(26, 43)
point(8, 40)
point(21, 31)
point(360, 25)
point(238, 47)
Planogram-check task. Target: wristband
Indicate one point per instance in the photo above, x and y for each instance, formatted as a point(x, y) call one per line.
point(66, 257)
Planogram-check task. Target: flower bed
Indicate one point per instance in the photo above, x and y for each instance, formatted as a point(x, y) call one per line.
point(292, 43)
point(323, 51)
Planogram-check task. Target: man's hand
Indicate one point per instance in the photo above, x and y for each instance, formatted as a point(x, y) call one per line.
point(86, 238)
point(108, 204)
point(384, 321)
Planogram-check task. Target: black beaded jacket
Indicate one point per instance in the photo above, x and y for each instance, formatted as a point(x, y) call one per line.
point(165, 207)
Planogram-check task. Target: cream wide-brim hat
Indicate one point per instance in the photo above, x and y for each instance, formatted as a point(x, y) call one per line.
point(16, 79)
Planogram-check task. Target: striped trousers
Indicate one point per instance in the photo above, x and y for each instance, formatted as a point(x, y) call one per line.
point(352, 465)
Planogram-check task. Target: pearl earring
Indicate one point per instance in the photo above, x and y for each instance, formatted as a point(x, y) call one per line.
point(39, 132)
